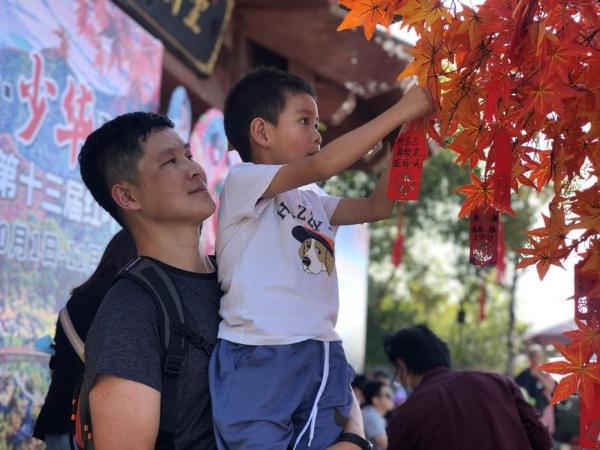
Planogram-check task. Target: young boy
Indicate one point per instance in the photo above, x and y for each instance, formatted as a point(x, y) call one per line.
point(279, 376)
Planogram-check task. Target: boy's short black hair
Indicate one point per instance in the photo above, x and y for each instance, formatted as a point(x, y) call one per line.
point(372, 389)
point(419, 348)
point(111, 154)
point(261, 93)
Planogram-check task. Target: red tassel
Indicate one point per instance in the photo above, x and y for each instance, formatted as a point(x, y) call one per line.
point(408, 154)
point(502, 150)
point(484, 236)
point(482, 299)
point(501, 265)
point(398, 249)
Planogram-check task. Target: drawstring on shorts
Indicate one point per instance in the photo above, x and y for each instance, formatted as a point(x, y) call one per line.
point(312, 419)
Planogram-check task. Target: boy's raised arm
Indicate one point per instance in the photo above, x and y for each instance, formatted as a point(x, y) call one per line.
point(347, 149)
point(377, 206)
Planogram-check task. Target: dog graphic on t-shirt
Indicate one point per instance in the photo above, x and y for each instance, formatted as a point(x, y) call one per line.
point(316, 250)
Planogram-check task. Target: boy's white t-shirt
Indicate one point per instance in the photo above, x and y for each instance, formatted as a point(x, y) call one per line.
point(276, 261)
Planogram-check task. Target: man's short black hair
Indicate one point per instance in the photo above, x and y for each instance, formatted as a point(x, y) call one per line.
point(111, 154)
point(372, 389)
point(261, 93)
point(419, 348)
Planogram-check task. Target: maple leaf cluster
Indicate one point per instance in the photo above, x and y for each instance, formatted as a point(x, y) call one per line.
point(527, 73)
point(528, 68)
point(581, 373)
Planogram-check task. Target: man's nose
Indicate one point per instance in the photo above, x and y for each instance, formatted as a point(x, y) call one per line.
point(195, 169)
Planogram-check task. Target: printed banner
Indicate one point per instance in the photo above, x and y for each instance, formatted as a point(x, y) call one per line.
point(209, 147)
point(67, 67)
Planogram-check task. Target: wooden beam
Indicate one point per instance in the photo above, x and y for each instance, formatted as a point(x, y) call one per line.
point(309, 38)
point(211, 90)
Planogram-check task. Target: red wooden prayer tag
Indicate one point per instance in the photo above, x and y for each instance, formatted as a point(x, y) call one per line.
point(484, 236)
point(409, 152)
point(585, 306)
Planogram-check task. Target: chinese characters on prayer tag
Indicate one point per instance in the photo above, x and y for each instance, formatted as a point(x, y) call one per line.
point(484, 236)
point(408, 154)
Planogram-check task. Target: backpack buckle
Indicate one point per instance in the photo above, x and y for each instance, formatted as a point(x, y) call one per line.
point(173, 364)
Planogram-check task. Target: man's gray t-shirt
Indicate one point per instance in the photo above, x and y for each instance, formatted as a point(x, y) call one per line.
point(124, 341)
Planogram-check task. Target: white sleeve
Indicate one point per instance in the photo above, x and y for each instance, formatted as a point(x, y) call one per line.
point(243, 187)
point(330, 204)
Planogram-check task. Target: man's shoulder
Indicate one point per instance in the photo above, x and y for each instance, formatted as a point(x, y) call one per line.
point(126, 297)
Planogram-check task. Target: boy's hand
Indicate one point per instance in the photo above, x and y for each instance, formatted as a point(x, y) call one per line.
point(416, 103)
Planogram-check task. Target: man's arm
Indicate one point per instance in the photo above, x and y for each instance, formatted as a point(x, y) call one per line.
point(347, 149)
point(125, 414)
point(353, 425)
point(377, 206)
point(381, 441)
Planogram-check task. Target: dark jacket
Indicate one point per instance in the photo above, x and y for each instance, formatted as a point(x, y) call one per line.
point(67, 368)
point(467, 410)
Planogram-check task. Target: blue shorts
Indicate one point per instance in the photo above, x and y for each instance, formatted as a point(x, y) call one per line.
point(263, 396)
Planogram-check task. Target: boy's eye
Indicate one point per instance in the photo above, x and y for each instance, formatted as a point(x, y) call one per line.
point(189, 156)
point(305, 121)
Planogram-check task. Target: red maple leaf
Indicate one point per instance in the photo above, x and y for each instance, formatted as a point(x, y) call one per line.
point(478, 193)
point(586, 336)
point(366, 13)
point(543, 254)
point(581, 374)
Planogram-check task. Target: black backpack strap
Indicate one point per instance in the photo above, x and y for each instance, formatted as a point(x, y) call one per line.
point(152, 277)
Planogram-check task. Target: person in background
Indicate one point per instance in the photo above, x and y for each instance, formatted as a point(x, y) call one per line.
point(539, 385)
point(358, 384)
point(456, 409)
point(378, 402)
point(400, 394)
point(54, 424)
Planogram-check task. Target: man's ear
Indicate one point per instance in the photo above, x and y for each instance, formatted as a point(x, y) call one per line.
point(259, 132)
point(123, 196)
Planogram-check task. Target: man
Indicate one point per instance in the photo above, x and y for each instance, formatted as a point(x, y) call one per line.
point(143, 174)
point(456, 410)
point(378, 402)
point(539, 385)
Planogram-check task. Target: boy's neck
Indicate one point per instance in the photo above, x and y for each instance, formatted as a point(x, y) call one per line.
point(176, 246)
point(262, 156)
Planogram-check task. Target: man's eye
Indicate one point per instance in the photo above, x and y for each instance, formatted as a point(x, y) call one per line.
point(189, 156)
